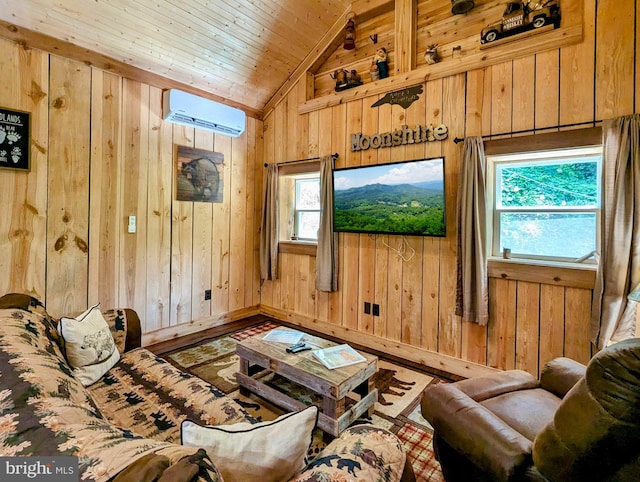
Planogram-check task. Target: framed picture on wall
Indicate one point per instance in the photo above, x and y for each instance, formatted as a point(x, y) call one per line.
point(14, 139)
point(199, 175)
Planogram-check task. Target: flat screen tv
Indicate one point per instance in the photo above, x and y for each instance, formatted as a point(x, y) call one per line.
point(397, 198)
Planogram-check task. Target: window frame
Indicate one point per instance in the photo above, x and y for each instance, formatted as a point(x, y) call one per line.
point(526, 145)
point(531, 158)
point(286, 207)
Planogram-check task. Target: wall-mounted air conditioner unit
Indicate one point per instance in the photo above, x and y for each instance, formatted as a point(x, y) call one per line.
point(190, 110)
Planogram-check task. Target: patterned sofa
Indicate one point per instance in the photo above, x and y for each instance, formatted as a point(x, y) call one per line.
point(126, 426)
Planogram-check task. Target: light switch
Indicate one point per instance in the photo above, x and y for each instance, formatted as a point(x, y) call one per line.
point(132, 224)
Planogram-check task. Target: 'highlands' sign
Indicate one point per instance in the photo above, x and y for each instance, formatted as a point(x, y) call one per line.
point(399, 137)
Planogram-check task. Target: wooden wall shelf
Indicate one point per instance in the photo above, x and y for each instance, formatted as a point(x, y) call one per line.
point(467, 55)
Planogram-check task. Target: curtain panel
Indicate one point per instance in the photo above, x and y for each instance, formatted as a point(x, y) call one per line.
point(269, 226)
point(327, 250)
point(472, 287)
point(613, 316)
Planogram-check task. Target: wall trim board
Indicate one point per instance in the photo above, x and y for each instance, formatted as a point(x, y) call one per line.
point(577, 137)
point(182, 329)
point(430, 359)
point(538, 272)
point(295, 247)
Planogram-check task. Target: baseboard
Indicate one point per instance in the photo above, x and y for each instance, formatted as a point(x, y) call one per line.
point(183, 329)
point(429, 359)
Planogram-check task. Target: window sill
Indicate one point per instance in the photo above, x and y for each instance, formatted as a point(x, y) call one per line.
point(308, 248)
point(546, 272)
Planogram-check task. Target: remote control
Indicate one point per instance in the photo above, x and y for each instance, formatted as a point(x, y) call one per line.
point(298, 347)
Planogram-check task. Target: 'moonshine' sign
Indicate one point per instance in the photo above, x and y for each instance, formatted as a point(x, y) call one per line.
point(399, 137)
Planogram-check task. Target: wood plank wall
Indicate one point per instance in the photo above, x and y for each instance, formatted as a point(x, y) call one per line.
point(100, 153)
point(530, 322)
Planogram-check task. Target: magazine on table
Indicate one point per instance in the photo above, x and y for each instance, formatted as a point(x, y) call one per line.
point(284, 336)
point(338, 356)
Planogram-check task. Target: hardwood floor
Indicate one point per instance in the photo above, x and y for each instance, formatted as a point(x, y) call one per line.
point(195, 338)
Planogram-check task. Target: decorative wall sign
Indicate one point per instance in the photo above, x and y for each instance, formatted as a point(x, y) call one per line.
point(404, 97)
point(14, 139)
point(199, 174)
point(399, 137)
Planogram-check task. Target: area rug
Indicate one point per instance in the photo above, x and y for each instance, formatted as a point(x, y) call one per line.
point(397, 408)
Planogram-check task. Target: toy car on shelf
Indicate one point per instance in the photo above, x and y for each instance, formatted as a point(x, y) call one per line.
point(522, 16)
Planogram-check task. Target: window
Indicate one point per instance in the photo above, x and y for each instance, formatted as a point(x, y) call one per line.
point(546, 204)
point(307, 209)
point(299, 203)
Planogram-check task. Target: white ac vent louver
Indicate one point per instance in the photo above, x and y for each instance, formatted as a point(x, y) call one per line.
point(190, 110)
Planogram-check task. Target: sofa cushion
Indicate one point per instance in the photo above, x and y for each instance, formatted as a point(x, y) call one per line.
point(58, 426)
point(361, 453)
point(270, 451)
point(152, 397)
point(88, 345)
point(33, 311)
point(32, 364)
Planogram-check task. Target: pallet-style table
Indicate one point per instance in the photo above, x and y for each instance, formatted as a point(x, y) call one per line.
point(303, 368)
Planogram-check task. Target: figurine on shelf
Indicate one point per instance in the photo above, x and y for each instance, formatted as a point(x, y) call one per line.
point(346, 79)
point(431, 55)
point(353, 79)
point(380, 59)
point(373, 71)
point(340, 76)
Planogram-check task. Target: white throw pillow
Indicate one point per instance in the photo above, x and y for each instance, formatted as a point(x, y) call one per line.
point(273, 451)
point(88, 344)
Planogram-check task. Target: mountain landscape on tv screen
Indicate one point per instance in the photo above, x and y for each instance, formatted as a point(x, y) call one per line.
point(395, 209)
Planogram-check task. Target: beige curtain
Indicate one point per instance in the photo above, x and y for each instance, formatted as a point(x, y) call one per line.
point(327, 251)
point(472, 290)
point(613, 318)
point(269, 226)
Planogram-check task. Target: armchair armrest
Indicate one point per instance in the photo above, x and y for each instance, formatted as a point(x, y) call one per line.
point(560, 375)
point(489, 386)
point(473, 430)
point(124, 324)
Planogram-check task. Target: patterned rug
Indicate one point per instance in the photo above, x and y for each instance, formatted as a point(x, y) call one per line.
point(397, 408)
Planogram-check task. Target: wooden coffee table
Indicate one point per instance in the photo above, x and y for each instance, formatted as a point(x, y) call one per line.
point(303, 368)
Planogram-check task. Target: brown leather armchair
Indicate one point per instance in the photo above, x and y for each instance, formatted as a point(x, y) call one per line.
point(576, 423)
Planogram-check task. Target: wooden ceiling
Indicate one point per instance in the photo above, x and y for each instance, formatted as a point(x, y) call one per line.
point(238, 50)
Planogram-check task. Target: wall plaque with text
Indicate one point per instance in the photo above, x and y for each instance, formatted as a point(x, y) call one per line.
point(14, 139)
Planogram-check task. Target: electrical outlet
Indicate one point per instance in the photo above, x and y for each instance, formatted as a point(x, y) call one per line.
point(207, 294)
point(367, 308)
point(376, 309)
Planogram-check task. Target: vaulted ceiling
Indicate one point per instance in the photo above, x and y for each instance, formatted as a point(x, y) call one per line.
point(241, 50)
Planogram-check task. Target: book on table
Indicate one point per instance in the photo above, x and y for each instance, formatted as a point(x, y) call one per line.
point(284, 336)
point(338, 356)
